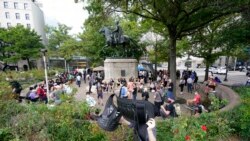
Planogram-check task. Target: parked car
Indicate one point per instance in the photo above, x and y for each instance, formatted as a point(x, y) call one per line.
point(248, 73)
point(212, 69)
point(222, 70)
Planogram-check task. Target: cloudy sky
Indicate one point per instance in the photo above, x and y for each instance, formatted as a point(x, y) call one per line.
point(65, 12)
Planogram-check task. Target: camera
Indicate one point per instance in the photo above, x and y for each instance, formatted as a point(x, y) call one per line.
point(139, 111)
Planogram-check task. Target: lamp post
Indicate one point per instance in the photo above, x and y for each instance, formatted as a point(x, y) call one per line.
point(45, 71)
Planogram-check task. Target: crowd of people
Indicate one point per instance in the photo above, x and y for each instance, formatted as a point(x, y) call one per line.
point(38, 92)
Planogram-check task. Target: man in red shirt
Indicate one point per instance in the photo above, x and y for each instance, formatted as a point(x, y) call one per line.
point(195, 101)
point(41, 93)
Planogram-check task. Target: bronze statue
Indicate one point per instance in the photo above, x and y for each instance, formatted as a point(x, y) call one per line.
point(116, 40)
point(115, 37)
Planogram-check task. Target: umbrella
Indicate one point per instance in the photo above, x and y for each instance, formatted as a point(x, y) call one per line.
point(100, 68)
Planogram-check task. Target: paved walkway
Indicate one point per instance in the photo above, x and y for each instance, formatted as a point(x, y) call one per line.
point(233, 78)
point(81, 95)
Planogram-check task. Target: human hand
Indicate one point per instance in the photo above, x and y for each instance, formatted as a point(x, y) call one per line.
point(151, 123)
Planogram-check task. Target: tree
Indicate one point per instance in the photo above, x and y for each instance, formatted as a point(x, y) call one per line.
point(179, 17)
point(206, 44)
point(60, 43)
point(235, 38)
point(3, 44)
point(24, 43)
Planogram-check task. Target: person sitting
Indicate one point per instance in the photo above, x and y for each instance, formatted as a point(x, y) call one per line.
point(41, 93)
point(211, 83)
point(146, 131)
point(90, 100)
point(197, 111)
point(33, 97)
point(168, 110)
point(195, 101)
point(217, 80)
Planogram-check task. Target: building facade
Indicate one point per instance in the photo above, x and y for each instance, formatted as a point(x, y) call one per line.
point(26, 13)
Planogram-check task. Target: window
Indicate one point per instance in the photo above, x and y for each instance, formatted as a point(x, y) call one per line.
point(5, 4)
point(8, 25)
point(28, 26)
point(17, 16)
point(25, 5)
point(7, 15)
point(18, 24)
point(27, 16)
point(15, 5)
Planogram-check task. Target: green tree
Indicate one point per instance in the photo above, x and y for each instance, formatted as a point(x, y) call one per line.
point(24, 43)
point(179, 17)
point(205, 43)
point(60, 43)
point(3, 43)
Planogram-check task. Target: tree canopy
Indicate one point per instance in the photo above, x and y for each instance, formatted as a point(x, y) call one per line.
point(22, 44)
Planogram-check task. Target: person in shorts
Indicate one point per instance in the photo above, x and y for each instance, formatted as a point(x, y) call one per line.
point(99, 91)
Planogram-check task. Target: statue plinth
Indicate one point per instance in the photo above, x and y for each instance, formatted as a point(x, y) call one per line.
point(120, 68)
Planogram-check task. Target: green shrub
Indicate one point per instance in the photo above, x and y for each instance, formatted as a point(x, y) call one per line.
point(216, 103)
point(240, 116)
point(38, 122)
point(206, 127)
point(5, 134)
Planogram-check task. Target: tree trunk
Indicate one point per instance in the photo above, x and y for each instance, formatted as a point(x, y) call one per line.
point(168, 63)
point(65, 65)
point(227, 61)
point(172, 45)
point(206, 71)
point(156, 60)
point(29, 65)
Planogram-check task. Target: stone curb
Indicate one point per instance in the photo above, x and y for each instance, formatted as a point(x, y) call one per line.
point(231, 96)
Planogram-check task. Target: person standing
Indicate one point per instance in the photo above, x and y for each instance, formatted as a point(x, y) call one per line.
point(124, 91)
point(170, 95)
point(84, 75)
point(78, 80)
point(99, 93)
point(182, 83)
point(134, 93)
point(189, 84)
point(158, 100)
point(145, 94)
point(91, 81)
point(131, 86)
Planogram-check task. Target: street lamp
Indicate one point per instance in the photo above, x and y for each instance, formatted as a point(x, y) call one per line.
point(45, 71)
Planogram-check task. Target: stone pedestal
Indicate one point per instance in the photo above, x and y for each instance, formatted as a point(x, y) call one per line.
point(117, 68)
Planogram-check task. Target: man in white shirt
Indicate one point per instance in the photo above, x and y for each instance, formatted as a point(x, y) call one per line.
point(190, 84)
point(78, 80)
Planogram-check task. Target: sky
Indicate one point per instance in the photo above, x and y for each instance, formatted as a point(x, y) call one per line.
point(65, 12)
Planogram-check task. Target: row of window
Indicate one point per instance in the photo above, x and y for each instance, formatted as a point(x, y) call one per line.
point(7, 16)
point(9, 25)
point(16, 5)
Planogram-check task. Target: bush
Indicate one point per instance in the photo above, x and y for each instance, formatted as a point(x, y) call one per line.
point(38, 122)
point(206, 127)
point(240, 116)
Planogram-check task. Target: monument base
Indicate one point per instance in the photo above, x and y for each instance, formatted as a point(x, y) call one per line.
point(120, 68)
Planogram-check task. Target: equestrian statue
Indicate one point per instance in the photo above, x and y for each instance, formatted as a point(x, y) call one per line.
point(122, 45)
